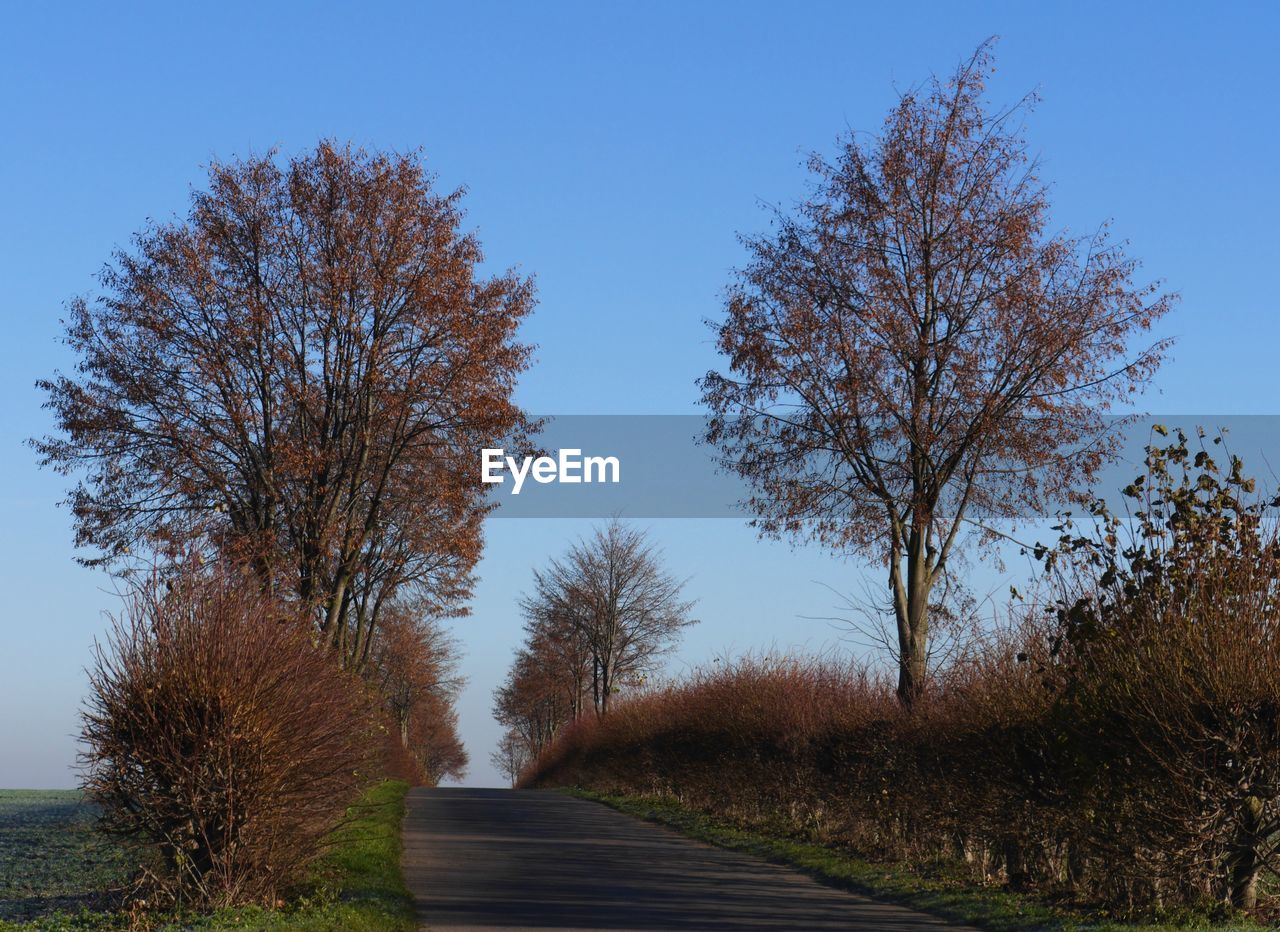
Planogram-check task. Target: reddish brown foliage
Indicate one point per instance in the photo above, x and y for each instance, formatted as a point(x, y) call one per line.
point(414, 670)
point(299, 375)
point(221, 740)
point(915, 349)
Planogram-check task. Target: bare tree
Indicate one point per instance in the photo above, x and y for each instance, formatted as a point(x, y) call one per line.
point(562, 644)
point(511, 757)
point(914, 350)
point(601, 616)
point(611, 595)
point(532, 703)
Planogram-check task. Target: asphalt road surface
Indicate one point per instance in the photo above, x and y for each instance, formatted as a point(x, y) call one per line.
point(530, 859)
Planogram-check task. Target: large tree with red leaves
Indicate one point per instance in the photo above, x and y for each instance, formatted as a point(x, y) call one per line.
point(297, 375)
point(915, 349)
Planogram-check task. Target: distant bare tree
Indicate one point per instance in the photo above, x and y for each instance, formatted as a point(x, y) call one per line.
point(532, 703)
point(611, 594)
point(562, 645)
point(511, 757)
point(601, 616)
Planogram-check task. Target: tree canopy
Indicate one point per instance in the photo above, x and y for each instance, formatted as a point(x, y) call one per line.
point(298, 375)
point(915, 348)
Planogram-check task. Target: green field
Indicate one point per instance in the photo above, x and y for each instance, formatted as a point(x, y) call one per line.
point(50, 858)
point(54, 872)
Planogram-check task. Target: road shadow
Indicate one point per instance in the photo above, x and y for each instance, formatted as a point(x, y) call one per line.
point(495, 859)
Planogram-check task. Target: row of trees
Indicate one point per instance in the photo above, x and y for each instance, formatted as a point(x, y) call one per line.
point(286, 389)
point(598, 620)
point(414, 671)
point(915, 359)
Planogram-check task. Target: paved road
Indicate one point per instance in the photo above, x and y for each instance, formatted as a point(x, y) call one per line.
point(502, 859)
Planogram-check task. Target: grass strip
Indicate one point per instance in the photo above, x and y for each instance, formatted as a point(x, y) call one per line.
point(944, 894)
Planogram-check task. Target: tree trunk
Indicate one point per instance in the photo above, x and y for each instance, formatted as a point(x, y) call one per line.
point(1016, 872)
point(606, 687)
point(911, 606)
point(1077, 866)
point(1246, 865)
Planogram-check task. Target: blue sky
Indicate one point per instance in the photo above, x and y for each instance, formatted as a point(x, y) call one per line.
point(613, 151)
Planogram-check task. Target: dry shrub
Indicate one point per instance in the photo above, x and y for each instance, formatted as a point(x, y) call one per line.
point(1122, 747)
point(1155, 781)
point(1168, 656)
point(1175, 719)
point(220, 741)
point(764, 740)
point(398, 763)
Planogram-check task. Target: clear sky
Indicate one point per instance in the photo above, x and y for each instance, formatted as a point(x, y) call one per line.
point(613, 151)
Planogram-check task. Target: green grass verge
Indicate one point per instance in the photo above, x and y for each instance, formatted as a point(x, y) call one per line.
point(357, 886)
point(939, 892)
